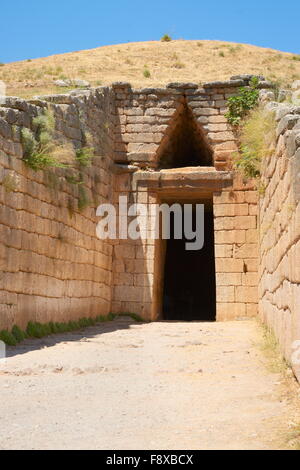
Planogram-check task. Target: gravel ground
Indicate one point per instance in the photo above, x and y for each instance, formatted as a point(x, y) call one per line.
point(124, 385)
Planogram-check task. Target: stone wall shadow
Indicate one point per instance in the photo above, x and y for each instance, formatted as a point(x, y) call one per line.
point(35, 344)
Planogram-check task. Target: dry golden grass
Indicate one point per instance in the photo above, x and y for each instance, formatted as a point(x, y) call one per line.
point(196, 61)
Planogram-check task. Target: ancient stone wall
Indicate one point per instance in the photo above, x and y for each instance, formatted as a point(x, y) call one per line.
point(146, 121)
point(138, 274)
point(236, 250)
point(146, 118)
point(279, 208)
point(52, 265)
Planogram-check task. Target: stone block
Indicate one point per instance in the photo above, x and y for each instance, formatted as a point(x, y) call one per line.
point(218, 120)
point(251, 197)
point(123, 279)
point(229, 197)
point(223, 251)
point(225, 223)
point(252, 235)
point(253, 209)
point(143, 280)
point(228, 145)
point(142, 148)
point(245, 222)
point(128, 294)
point(230, 209)
point(250, 279)
point(246, 251)
point(230, 311)
point(250, 265)
point(225, 293)
point(205, 112)
point(229, 265)
point(229, 279)
point(246, 294)
point(221, 136)
point(230, 236)
point(133, 111)
point(142, 137)
point(251, 310)
point(124, 251)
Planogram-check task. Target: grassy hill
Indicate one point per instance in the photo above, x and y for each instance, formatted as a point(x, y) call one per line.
point(150, 64)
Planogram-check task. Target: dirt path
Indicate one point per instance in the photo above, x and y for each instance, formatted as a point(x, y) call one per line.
point(124, 385)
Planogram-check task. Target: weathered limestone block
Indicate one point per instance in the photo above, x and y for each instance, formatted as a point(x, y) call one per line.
point(142, 280)
point(223, 251)
point(229, 279)
point(250, 279)
point(246, 294)
point(229, 197)
point(161, 112)
point(252, 236)
point(142, 137)
point(251, 310)
point(230, 236)
point(124, 279)
point(225, 293)
point(246, 251)
point(245, 222)
point(230, 209)
point(221, 136)
point(287, 123)
point(230, 311)
point(229, 265)
point(250, 265)
point(5, 129)
point(142, 147)
point(205, 112)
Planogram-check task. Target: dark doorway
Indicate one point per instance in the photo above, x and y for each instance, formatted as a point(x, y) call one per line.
point(189, 277)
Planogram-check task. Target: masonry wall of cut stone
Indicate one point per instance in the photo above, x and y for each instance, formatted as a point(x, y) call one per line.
point(145, 120)
point(138, 274)
point(279, 208)
point(53, 267)
point(236, 250)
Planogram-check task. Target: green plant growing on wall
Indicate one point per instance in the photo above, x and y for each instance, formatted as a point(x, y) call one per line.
point(70, 207)
point(257, 137)
point(42, 153)
point(8, 338)
point(38, 145)
point(73, 179)
point(10, 182)
point(84, 156)
point(18, 333)
point(83, 200)
point(240, 105)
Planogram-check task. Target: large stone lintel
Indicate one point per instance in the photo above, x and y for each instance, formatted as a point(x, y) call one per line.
point(206, 178)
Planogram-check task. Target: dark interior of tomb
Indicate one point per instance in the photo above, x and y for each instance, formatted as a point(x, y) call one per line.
point(187, 145)
point(189, 277)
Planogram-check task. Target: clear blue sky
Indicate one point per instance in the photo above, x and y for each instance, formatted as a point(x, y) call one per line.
point(38, 28)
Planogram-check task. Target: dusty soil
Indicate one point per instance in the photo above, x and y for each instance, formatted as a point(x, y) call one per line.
point(124, 385)
point(180, 60)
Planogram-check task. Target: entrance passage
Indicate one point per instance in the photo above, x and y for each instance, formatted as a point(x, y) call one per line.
point(189, 277)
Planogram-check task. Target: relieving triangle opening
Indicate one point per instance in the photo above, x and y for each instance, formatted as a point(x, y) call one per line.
point(185, 143)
